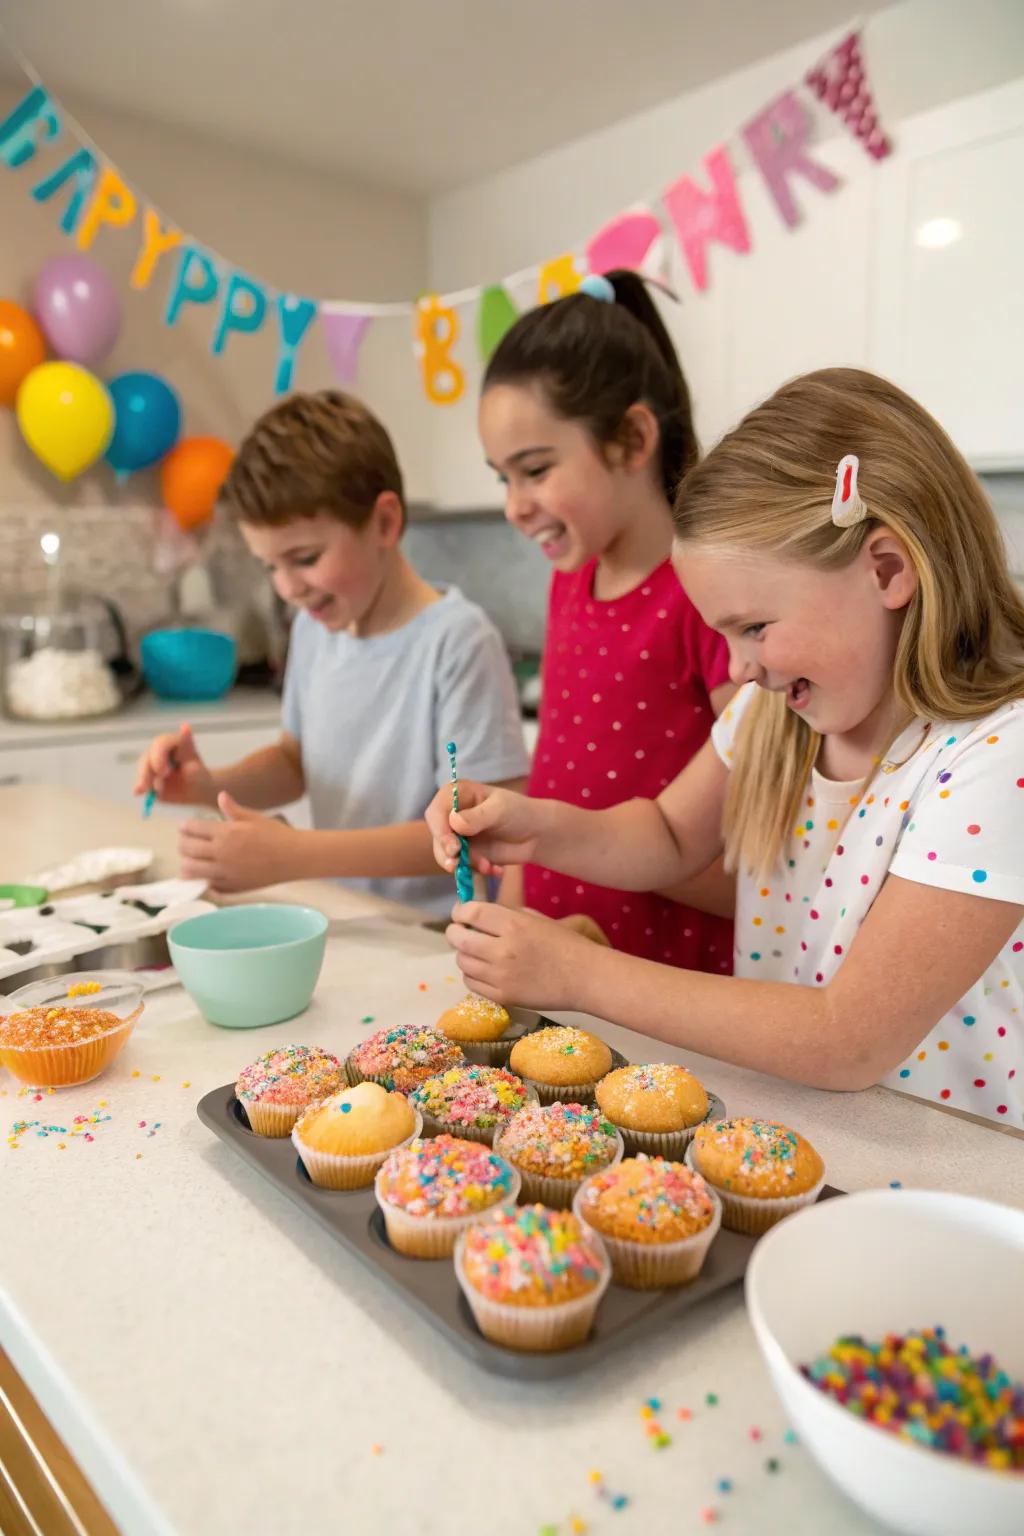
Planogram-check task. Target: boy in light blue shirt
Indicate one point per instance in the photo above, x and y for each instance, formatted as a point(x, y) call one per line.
point(383, 670)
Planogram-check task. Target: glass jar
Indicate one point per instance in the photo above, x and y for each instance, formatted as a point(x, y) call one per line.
point(63, 658)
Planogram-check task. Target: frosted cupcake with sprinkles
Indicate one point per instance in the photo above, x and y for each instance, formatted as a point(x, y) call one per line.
point(431, 1191)
point(532, 1277)
point(760, 1170)
point(276, 1088)
point(657, 1220)
point(477, 1025)
point(471, 1101)
point(402, 1057)
point(657, 1107)
point(556, 1146)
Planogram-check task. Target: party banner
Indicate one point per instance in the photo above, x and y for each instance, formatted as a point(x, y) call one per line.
point(702, 210)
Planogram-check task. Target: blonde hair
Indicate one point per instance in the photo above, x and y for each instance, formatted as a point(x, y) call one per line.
point(768, 486)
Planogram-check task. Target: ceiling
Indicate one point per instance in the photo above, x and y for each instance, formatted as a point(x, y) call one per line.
point(415, 95)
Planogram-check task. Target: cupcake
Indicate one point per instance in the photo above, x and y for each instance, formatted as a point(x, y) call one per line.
point(656, 1107)
point(431, 1191)
point(478, 1025)
point(532, 1277)
point(555, 1147)
point(657, 1220)
point(60, 1047)
point(343, 1140)
point(402, 1057)
point(760, 1170)
point(279, 1085)
point(561, 1063)
point(470, 1101)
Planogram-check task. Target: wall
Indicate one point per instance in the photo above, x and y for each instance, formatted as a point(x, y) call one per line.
point(294, 227)
point(920, 54)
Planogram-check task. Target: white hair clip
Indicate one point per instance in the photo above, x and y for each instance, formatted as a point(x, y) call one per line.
point(847, 507)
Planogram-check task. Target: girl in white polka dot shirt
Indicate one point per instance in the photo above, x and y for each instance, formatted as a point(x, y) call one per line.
point(867, 783)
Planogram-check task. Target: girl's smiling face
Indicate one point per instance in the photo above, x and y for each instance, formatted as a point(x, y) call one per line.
point(827, 639)
point(560, 488)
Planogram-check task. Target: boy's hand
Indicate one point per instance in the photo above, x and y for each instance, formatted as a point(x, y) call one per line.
point(520, 957)
point(498, 822)
point(171, 766)
point(245, 850)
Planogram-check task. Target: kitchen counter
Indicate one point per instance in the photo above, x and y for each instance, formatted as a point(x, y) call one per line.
point(146, 714)
point(218, 1366)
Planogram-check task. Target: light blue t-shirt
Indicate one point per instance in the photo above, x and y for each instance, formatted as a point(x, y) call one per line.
point(373, 717)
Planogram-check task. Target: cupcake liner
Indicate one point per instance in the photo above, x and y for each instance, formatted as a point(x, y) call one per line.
point(67, 1066)
point(539, 1188)
point(434, 1237)
point(671, 1145)
point(655, 1266)
point(576, 1093)
point(332, 1170)
point(434, 1127)
point(537, 1329)
point(750, 1214)
point(487, 1053)
point(272, 1120)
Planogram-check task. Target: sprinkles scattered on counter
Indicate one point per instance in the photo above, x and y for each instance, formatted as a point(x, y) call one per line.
point(79, 1127)
point(655, 1434)
point(916, 1386)
point(616, 1500)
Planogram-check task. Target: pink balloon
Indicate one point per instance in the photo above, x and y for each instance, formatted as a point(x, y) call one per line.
point(78, 308)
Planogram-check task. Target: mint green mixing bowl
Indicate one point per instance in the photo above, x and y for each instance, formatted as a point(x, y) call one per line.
point(245, 967)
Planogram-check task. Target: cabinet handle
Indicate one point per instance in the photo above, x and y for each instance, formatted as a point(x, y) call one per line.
point(8, 779)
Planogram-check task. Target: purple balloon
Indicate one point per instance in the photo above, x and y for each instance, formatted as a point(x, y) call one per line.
point(78, 308)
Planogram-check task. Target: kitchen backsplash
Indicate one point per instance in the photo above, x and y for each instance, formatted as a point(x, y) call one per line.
point(121, 552)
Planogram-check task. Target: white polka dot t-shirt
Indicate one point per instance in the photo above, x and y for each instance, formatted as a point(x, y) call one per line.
point(952, 816)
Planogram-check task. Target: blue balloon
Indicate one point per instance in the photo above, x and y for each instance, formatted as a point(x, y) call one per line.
point(147, 421)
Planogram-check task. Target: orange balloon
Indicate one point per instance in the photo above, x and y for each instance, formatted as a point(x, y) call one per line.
point(191, 476)
point(22, 348)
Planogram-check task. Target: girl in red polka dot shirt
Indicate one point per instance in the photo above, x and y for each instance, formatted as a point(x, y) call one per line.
point(585, 416)
point(867, 782)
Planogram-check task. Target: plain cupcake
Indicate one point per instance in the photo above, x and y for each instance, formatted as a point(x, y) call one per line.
point(657, 1220)
point(402, 1057)
point(555, 1147)
point(431, 1191)
point(533, 1277)
point(276, 1088)
point(470, 1101)
point(478, 1026)
point(343, 1140)
point(656, 1107)
point(561, 1063)
point(761, 1171)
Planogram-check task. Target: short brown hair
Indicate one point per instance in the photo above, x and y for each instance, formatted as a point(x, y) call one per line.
point(313, 453)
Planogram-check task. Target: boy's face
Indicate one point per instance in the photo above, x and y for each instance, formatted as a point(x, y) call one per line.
point(559, 490)
point(324, 566)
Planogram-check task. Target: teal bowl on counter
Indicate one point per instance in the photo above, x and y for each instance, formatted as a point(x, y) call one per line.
point(189, 664)
point(248, 966)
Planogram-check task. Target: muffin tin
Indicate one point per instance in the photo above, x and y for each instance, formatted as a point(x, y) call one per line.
point(355, 1221)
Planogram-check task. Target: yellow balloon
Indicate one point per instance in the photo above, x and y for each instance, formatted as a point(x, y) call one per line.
point(66, 417)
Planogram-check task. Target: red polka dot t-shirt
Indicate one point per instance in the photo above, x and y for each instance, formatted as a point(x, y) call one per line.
point(625, 706)
point(952, 816)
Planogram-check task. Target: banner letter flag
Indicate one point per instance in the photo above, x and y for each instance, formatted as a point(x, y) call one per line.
point(81, 169)
point(437, 330)
point(497, 315)
point(777, 138)
point(187, 291)
point(244, 308)
point(113, 203)
point(155, 241)
point(700, 217)
point(840, 80)
point(294, 316)
point(34, 118)
point(624, 242)
point(559, 276)
point(343, 336)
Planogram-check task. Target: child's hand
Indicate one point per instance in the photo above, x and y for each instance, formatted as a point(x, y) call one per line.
point(245, 850)
point(171, 766)
point(498, 822)
point(515, 956)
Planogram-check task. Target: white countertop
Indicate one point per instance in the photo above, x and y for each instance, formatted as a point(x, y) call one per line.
point(218, 1365)
point(143, 716)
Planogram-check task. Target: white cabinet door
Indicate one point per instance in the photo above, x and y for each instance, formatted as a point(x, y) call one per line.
point(29, 765)
point(948, 314)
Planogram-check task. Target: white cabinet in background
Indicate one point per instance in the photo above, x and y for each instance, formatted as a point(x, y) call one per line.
point(948, 309)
